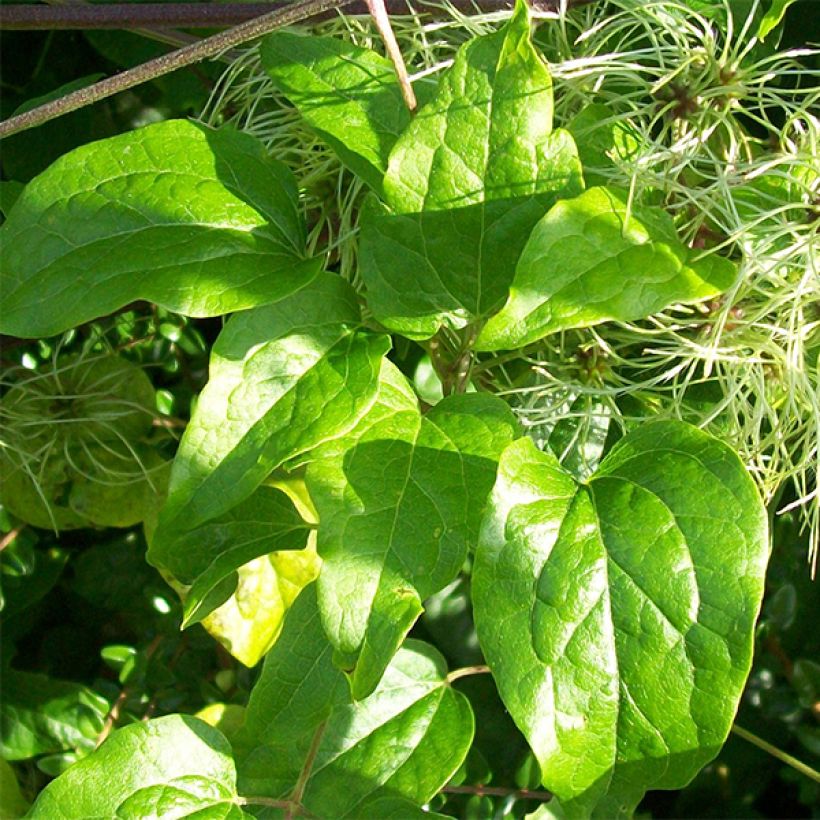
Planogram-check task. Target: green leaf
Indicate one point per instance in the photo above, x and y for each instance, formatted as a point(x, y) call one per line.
point(21, 593)
point(9, 194)
point(174, 766)
point(398, 509)
point(773, 17)
point(197, 220)
point(206, 555)
point(467, 181)
point(39, 715)
point(618, 615)
point(250, 621)
point(592, 259)
point(602, 136)
point(349, 95)
point(27, 154)
point(283, 379)
point(12, 802)
point(403, 743)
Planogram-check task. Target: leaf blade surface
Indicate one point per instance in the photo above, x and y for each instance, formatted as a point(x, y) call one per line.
point(197, 220)
point(466, 182)
point(284, 378)
point(618, 616)
point(174, 766)
point(348, 94)
point(398, 510)
point(590, 260)
point(395, 748)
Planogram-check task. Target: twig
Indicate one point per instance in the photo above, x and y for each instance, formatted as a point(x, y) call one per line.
point(162, 35)
point(167, 63)
point(262, 801)
point(782, 756)
point(114, 712)
point(466, 671)
point(25, 17)
point(112, 717)
point(380, 17)
point(9, 537)
point(304, 775)
point(499, 791)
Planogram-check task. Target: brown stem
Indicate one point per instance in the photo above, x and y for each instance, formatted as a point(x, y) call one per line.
point(9, 537)
point(304, 775)
point(167, 63)
point(499, 791)
point(467, 671)
point(19, 17)
point(112, 717)
point(380, 17)
point(263, 801)
point(114, 712)
point(77, 8)
point(773, 645)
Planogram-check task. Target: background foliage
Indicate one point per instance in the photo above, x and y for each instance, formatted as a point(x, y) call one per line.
point(91, 633)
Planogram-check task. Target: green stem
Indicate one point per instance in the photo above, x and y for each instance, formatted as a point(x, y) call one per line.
point(782, 756)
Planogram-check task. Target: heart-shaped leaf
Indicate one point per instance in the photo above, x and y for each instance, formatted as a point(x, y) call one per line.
point(398, 746)
point(591, 259)
point(398, 509)
point(467, 181)
point(198, 220)
point(617, 616)
point(174, 766)
point(283, 379)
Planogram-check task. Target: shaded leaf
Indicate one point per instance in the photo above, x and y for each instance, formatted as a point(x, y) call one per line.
point(39, 715)
point(205, 556)
point(194, 219)
point(283, 379)
point(398, 509)
point(617, 616)
point(250, 621)
point(592, 259)
point(12, 802)
point(401, 744)
point(466, 182)
point(349, 95)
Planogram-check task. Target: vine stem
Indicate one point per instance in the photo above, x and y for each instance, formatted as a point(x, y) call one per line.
point(295, 802)
point(164, 64)
point(782, 756)
point(262, 801)
point(10, 536)
point(26, 17)
point(499, 791)
point(380, 17)
point(167, 36)
point(466, 671)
